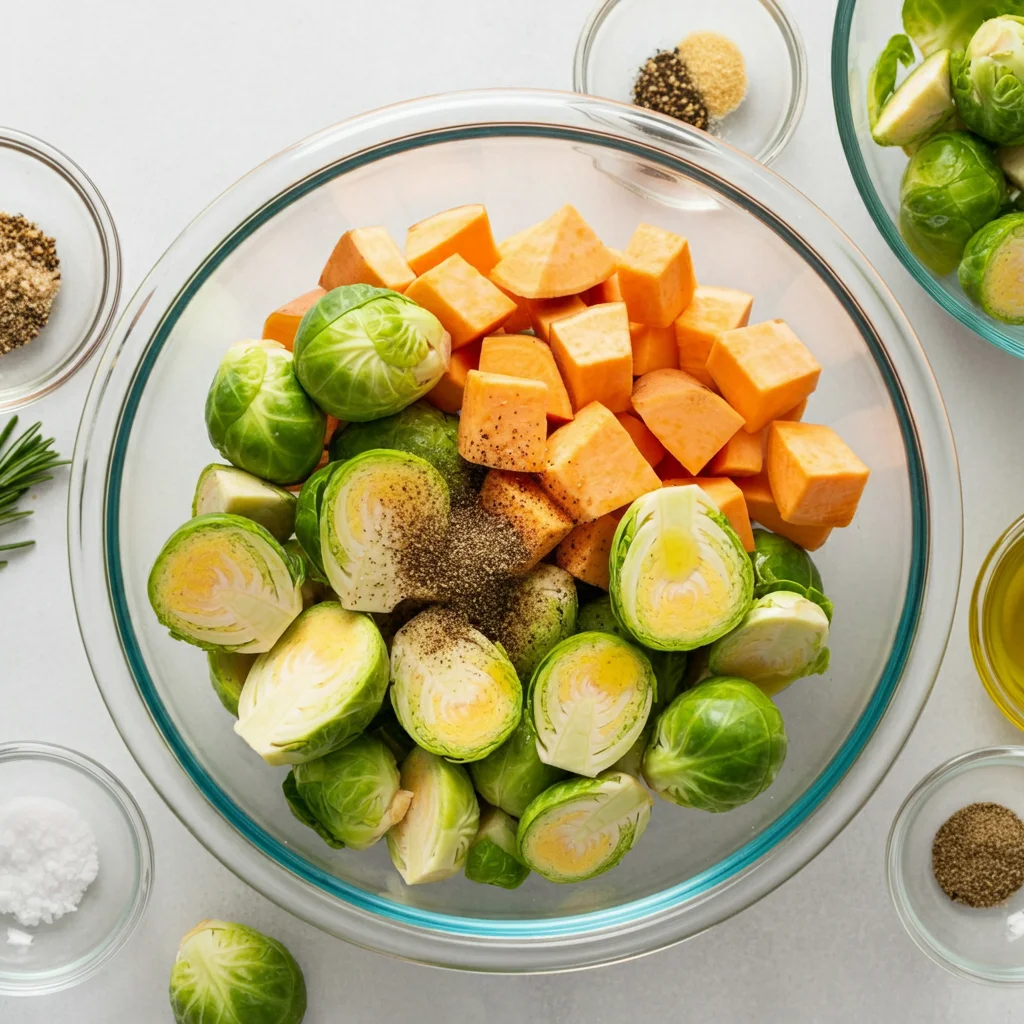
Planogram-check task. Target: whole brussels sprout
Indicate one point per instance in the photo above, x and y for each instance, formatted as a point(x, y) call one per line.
point(951, 187)
point(993, 267)
point(541, 613)
point(364, 352)
point(307, 517)
point(988, 80)
point(259, 418)
point(779, 564)
point(493, 857)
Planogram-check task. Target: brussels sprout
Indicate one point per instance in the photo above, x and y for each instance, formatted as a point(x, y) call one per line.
point(590, 699)
point(680, 577)
point(949, 24)
point(228, 672)
point(782, 638)
point(307, 517)
point(383, 513)
point(300, 810)
point(421, 430)
point(580, 828)
point(259, 418)
point(882, 79)
point(319, 688)
point(493, 856)
point(716, 746)
point(389, 623)
point(229, 489)
point(988, 81)
point(541, 613)
point(312, 590)
point(514, 774)
point(430, 843)
point(365, 352)
point(386, 727)
point(779, 564)
point(993, 268)
point(1011, 163)
point(455, 693)
point(231, 974)
point(921, 105)
point(223, 583)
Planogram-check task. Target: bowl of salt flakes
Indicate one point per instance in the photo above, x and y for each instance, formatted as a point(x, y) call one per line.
point(736, 68)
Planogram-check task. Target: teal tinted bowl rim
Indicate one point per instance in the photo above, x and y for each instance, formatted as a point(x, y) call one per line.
point(966, 313)
point(537, 928)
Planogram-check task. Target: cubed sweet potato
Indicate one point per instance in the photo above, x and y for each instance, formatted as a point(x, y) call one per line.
point(447, 393)
point(650, 447)
point(595, 356)
point(540, 522)
point(743, 455)
point(544, 312)
point(606, 291)
point(762, 509)
point(520, 355)
point(711, 311)
point(796, 413)
point(654, 348)
point(465, 230)
point(504, 422)
point(585, 552)
point(282, 324)
point(656, 276)
point(367, 256)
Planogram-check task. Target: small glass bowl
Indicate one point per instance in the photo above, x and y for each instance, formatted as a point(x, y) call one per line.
point(76, 946)
point(985, 945)
point(621, 34)
point(50, 189)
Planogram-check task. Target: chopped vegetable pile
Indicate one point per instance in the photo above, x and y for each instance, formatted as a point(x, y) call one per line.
point(481, 571)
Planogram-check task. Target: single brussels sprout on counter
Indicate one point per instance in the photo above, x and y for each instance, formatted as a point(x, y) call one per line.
point(590, 699)
point(992, 270)
point(541, 613)
point(307, 517)
point(230, 973)
point(228, 672)
point(716, 746)
point(383, 520)
point(988, 80)
point(950, 188)
point(779, 564)
point(229, 489)
point(580, 828)
point(364, 352)
point(920, 106)
point(455, 693)
point(223, 583)
point(680, 577)
point(430, 843)
point(493, 857)
point(259, 418)
point(318, 688)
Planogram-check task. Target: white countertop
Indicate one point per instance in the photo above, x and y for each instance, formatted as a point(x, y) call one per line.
point(166, 104)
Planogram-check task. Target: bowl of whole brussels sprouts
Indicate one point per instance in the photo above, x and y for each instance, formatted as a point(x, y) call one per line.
point(286, 561)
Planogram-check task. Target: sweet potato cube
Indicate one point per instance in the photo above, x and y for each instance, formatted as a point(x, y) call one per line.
point(465, 302)
point(690, 420)
point(816, 479)
point(731, 503)
point(796, 413)
point(447, 393)
point(593, 466)
point(544, 312)
point(519, 355)
point(762, 509)
point(606, 291)
point(367, 256)
point(466, 230)
point(743, 455)
point(585, 552)
point(711, 311)
point(282, 324)
point(504, 422)
point(656, 276)
point(595, 356)
point(670, 468)
point(560, 256)
point(540, 522)
point(519, 321)
point(763, 371)
point(650, 447)
point(654, 348)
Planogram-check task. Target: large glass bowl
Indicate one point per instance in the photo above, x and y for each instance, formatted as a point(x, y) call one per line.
point(893, 575)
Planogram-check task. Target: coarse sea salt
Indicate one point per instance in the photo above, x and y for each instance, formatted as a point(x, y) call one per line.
point(48, 858)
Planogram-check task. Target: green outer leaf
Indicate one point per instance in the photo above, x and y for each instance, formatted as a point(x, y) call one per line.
point(989, 97)
point(301, 810)
point(307, 517)
point(949, 24)
point(882, 79)
point(493, 857)
point(228, 672)
point(979, 255)
point(779, 564)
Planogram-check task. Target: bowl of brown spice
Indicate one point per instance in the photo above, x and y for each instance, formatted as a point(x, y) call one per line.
point(956, 865)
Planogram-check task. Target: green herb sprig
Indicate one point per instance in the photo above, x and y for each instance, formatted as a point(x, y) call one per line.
point(25, 462)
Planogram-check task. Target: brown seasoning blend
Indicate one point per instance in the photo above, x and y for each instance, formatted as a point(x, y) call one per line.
point(29, 280)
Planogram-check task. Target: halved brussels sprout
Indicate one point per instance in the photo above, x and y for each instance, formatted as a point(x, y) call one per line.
point(680, 577)
point(988, 80)
point(590, 699)
point(541, 613)
point(319, 688)
point(782, 638)
point(353, 793)
point(580, 828)
point(307, 517)
point(382, 524)
point(993, 267)
point(716, 746)
point(230, 973)
point(223, 583)
point(430, 843)
point(882, 78)
point(455, 693)
point(779, 564)
point(259, 418)
point(228, 672)
point(920, 106)
point(364, 352)
point(493, 857)
point(229, 489)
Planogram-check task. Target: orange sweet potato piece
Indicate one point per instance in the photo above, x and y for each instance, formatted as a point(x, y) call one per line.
point(367, 256)
point(519, 355)
point(593, 466)
point(560, 256)
point(816, 479)
point(447, 393)
point(465, 230)
point(743, 455)
point(467, 304)
point(654, 348)
point(730, 501)
point(504, 422)
point(595, 356)
point(711, 311)
point(762, 509)
point(656, 276)
point(585, 552)
point(796, 413)
point(606, 291)
point(670, 468)
point(282, 324)
point(540, 522)
point(544, 312)
point(650, 447)
point(763, 370)
point(690, 420)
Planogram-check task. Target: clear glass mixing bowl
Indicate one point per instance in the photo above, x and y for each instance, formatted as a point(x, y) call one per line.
point(893, 575)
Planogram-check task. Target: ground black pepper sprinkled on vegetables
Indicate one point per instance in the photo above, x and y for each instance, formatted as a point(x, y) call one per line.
point(665, 85)
point(29, 280)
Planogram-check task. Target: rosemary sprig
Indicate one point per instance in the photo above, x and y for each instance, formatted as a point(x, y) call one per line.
point(26, 461)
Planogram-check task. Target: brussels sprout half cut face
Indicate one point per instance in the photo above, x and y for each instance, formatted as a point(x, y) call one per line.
point(680, 577)
point(493, 857)
point(993, 268)
point(580, 828)
point(223, 583)
point(319, 688)
point(541, 613)
point(229, 489)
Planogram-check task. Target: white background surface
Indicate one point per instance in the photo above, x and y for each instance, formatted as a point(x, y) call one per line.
point(166, 104)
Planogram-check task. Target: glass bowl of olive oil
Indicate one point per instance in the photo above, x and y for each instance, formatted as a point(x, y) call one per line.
point(997, 623)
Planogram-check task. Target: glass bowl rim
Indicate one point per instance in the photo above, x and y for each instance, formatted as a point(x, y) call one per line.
point(46, 982)
point(61, 164)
